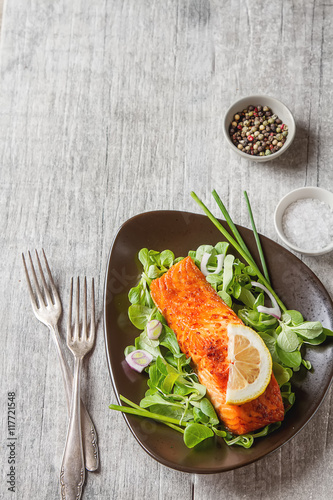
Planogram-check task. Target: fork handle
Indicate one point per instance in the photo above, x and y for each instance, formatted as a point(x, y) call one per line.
point(72, 473)
point(89, 436)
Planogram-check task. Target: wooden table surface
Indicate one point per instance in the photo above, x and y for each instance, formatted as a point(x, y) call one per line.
point(113, 108)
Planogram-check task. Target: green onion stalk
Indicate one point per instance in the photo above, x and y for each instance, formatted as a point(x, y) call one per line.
point(237, 243)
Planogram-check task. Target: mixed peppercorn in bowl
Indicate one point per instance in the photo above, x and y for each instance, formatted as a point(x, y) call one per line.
point(260, 128)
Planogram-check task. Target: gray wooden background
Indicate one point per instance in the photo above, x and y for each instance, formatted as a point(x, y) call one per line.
point(110, 108)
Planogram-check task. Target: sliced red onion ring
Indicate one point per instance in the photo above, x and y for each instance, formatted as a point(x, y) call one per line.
point(204, 262)
point(273, 311)
point(139, 360)
point(154, 329)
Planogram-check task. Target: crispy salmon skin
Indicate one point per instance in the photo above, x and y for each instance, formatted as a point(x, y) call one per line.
point(199, 318)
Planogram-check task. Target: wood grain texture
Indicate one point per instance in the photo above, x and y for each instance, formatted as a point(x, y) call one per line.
point(110, 108)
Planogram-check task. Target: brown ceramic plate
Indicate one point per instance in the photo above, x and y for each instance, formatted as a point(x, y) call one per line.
point(294, 282)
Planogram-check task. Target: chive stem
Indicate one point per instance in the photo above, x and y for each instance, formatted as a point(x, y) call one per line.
point(256, 236)
point(219, 226)
point(130, 403)
point(237, 247)
point(174, 427)
point(145, 413)
point(230, 222)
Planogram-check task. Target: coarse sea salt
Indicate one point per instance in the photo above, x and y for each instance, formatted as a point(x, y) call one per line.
point(308, 224)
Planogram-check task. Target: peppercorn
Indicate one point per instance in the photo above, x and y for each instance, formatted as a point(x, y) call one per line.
point(258, 131)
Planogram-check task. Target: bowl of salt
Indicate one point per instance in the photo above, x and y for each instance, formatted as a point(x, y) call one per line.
point(304, 220)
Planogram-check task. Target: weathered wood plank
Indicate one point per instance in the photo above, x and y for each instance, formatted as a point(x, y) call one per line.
point(109, 109)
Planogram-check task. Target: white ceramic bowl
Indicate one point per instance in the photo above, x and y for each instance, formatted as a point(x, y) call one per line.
point(298, 194)
point(277, 107)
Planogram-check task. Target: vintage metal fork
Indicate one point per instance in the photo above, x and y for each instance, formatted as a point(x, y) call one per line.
point(47, 309)
point(80, 343)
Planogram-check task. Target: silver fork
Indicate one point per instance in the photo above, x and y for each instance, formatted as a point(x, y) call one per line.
point(72, 470)
point(48, 310)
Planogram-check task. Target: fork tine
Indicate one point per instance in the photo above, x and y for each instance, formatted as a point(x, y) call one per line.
point(32, 297)
point(77, 315)
point(53, 287)
point(41, 272)
point(92, 321)
point(69, 321)
point(84, 318)
point(34, 276)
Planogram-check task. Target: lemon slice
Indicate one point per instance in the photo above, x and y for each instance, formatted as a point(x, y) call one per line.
point(250, 367)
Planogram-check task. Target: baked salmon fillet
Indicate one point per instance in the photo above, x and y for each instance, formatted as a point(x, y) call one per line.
point(199, 318)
